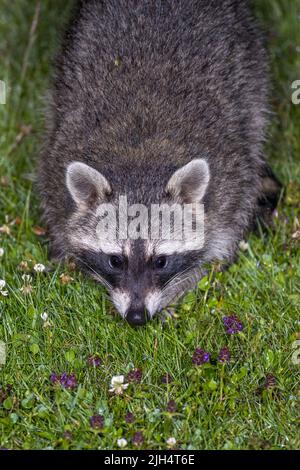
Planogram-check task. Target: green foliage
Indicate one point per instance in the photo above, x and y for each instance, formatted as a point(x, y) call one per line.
point(219, 406)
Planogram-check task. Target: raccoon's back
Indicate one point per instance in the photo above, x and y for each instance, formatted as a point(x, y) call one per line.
point(187, 72)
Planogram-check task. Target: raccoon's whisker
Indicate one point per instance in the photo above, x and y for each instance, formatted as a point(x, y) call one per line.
point(96, 275)
point(176, 281)
point(101, 279)
point(174, 287)
point(177, 275)
point(190, 278)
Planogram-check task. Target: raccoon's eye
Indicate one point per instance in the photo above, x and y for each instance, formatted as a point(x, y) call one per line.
point(160, 262)
point(116, 262)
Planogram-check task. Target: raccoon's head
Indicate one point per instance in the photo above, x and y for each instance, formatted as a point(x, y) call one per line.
point(145, 269)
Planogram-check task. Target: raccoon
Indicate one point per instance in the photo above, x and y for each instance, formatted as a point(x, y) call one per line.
point(164, 102)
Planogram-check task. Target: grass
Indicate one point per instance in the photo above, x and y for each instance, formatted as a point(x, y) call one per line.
point(219, 406)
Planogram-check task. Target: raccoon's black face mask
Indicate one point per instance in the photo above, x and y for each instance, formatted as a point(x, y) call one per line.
point(140, 286)
point(143, 275)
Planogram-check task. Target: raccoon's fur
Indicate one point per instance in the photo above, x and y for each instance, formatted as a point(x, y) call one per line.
point(141, 89)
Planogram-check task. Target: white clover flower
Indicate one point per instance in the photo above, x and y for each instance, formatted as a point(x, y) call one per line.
point(1, 252)
point(44, 316)
point(2, 285)
point(244, 246)
point(171, 442)
point(27, 278)
point(26, 289)
point(122, 442)
point(39, 268)
point(117, 384)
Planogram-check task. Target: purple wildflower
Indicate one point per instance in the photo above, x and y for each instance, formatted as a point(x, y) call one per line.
point(172, 406)
point(270, 381)
point(129, 418)
point(71, 381)
point(63, 378)
point(232, 324)
point(138, 438)
point(97, 422)
point(224, 355)
point(167, 379)
point(135, 375)
point(200, 357)
point(54, 378)
point(68, 381)
point(94, 360)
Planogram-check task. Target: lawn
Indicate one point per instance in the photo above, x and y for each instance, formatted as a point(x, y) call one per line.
point(62, 338)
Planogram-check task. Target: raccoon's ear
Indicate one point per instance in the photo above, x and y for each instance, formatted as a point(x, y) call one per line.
point(86, 185)
point(189, 183)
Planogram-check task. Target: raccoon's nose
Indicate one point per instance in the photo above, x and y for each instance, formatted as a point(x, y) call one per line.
point(137, 317)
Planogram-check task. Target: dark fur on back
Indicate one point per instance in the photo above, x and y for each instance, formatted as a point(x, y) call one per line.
point(141, 88)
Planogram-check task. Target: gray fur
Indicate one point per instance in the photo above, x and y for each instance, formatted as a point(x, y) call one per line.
point(141, 88)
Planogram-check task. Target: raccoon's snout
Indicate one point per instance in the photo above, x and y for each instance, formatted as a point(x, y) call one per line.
point(137, 317)
point(134, 312)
